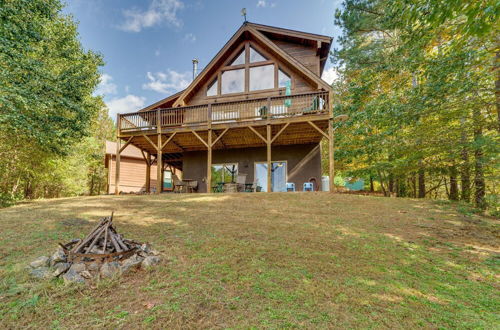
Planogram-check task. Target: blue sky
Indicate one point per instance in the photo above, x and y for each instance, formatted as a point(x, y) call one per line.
point(148, 45)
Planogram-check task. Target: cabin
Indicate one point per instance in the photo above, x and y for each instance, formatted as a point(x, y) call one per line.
point(255, 116)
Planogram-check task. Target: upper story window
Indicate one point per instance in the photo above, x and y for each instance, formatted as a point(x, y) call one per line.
point(248, 71)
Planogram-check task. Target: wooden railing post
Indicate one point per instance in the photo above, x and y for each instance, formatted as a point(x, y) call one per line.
point(268, 109)
point(209, 116)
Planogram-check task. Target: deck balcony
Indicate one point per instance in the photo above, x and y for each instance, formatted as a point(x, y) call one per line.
point(251, 112)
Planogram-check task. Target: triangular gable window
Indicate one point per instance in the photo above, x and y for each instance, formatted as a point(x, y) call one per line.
point(255, 56)
point(240, 59)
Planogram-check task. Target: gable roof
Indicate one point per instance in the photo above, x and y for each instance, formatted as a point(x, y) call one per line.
point(254, 30)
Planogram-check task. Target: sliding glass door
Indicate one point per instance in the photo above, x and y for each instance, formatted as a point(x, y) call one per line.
point(278, 176)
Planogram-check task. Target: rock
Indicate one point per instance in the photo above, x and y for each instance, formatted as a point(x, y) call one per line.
point(41, 272)
point(95, 250)
point(58, 256)
point(78, 267)
point(93, 267)
point(145, 247)
point(60, 268)
point(72, 276)
point(110, 269)
point(40, 262)
point(150, 261)
point(133, 262)
point(86, 274)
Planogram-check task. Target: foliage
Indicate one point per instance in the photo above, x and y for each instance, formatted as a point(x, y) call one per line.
point(48, 116)
point(418, 81)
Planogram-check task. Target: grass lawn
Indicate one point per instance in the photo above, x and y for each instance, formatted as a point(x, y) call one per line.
point(306, 260)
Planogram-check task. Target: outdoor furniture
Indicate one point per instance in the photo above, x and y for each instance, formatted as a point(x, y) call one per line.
point(241, 181)
point(290, 186)
point(218, 188)
point(317, 104)
point(179, 185)
point(249, 187)
point(308, 186)
point(191, 185)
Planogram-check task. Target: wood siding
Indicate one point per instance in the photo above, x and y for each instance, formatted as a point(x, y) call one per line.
point(132, 174)
point(304, 54)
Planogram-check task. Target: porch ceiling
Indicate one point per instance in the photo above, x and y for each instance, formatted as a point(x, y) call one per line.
point(238, 137)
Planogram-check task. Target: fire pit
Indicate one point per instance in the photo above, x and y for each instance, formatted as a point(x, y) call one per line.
point(103, 253)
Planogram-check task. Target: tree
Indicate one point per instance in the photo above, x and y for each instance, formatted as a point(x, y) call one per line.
point(418, 82)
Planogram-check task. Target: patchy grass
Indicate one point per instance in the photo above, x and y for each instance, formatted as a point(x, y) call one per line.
point(306, 260)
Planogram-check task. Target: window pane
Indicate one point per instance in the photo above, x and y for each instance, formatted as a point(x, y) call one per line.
point(255, 56)
point(217, 173)
point(240, 59)
point(262, 77)
point(212, 88)
point(283, 78)
point(233, 81)
point(230, 172)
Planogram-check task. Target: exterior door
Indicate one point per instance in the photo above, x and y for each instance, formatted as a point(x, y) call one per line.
point(167, 180)
point(278, 176)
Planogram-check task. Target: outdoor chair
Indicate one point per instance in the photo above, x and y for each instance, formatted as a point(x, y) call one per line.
point(179, 185)
point(308, 186)
point(290, 186)
point(218, 188)
point(317, 104)
point(192, 186)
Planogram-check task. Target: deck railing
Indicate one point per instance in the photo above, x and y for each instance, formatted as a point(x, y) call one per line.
point(227, 112)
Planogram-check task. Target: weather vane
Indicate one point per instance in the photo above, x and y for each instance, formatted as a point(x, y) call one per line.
point(244, 13)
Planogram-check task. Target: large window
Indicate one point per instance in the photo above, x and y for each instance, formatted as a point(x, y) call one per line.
point(261, 77)
point(248, 71)
point(233, 81)
point(227, 173)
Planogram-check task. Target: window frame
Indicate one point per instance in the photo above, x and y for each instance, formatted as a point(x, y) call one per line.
point(224, 165)
point(245, 46)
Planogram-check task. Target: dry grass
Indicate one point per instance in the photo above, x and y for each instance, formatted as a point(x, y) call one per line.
point(307, 260)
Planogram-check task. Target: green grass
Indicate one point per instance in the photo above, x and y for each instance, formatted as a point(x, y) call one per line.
point(291, 260)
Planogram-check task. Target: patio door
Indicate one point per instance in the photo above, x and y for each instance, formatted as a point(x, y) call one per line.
point(278, 175)
point(168, 183)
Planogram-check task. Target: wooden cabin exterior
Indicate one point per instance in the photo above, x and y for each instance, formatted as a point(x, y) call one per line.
point(259, 107)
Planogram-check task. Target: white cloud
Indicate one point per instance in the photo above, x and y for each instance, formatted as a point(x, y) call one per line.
point(167, 82)
point(105, 86)
point(158, 11)
point(264, 4)
point(330, 75)
point(129, 103)
point(189, 37)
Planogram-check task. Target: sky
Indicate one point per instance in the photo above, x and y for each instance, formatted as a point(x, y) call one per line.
point(148, 45)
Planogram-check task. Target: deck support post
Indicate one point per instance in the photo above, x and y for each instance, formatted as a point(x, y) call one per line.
point(331, 145)
point(117, 156)
point(269, 163)
point(209, 161)
point(159, 157)
point(117, 167)
point(148, 172)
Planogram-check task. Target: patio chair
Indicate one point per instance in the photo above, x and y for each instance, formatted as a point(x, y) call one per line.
point(192, 186)
point(317, 104)
point(308, 186)
point(290, 186)
point(179, 185)
point(218, 188)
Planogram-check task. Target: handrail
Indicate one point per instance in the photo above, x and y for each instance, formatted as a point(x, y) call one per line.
point(223, 112)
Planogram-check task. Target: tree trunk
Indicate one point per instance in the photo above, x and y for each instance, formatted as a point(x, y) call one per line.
point(414, 185)
point(391, 184)
point(497, 86)
point(421, 183)
point(465, 168)
point(371, 184)
point(453, 184)
point(479, 183)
